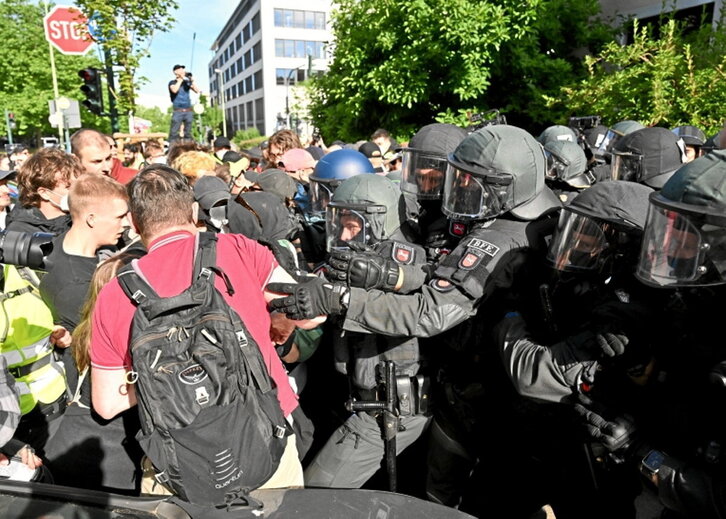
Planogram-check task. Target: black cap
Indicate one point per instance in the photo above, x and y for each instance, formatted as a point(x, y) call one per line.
point(276, 182)
point(209, 191)
point(178, 66)
point(4, 174)
point(370, 150)
point(221, 142)
point(231, 156)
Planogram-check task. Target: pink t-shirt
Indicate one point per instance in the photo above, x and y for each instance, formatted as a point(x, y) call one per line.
point(168, 268)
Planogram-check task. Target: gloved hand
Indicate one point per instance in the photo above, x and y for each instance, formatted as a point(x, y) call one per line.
point(603, 343)
point(363, 269)
point(310, 298)
point(614, 433)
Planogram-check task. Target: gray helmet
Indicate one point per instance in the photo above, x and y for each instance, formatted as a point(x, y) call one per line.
point(623, 128)
point(495, 170)
point(566, 161)
point(649, 156)
point(684, 243)
point(615, 133)
point(365, 209)
point(557, 133)
point(424, 160)
point(604, 220)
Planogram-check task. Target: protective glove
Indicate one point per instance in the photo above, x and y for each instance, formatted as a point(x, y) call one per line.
point(615, 433)
point(309, 299)
point(603, 343)
point(364, 269)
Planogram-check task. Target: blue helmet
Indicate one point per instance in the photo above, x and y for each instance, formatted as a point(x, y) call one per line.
point(331, 170)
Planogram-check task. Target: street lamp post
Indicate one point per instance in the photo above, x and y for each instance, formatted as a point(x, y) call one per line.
point(221, 99)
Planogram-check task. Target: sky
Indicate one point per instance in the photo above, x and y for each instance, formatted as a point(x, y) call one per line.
point(206, 18)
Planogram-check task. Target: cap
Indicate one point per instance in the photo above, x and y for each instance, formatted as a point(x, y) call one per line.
point(663, 153)
point(316, 152)
point(276, 182)
point(221, 142)
point(437, 138)
point(232, 156)
point(178, 66)
point(701, 182)
point(296, 159)
point(209, 191)
point(7, 175)
point(370, 149)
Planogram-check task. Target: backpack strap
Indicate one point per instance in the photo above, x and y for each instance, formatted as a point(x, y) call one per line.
point(134, 285)
point(206, 260)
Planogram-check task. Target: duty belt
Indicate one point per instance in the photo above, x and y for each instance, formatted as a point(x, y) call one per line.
point(27, 369)
point(182, 109)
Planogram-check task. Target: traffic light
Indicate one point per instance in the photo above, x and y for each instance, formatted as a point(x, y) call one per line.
point(11, 121)
point(93, 89)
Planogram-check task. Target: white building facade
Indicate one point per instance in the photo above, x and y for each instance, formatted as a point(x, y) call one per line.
point(263, 51)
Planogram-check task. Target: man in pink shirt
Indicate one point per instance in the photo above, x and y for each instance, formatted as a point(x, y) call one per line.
point(163, 211)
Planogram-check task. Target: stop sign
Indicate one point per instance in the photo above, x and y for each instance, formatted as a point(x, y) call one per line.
point(66, 30)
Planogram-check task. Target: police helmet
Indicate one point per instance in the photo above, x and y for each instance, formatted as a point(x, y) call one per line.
point(684, 242)
point(331, 170)
point(566, 162)
point(602, 222)
point(618, 130)
point(495, 170)
point(557, 132)
point(649, 156)
point(364, 209)
point(424, 160)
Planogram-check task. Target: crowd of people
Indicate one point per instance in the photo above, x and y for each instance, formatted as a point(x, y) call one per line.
point(537, 318)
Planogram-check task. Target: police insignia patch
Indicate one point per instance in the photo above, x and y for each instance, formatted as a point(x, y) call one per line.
point(471, 259)
point(441, 285)
point(402, 254)
point(484, 246)
point(457, 228)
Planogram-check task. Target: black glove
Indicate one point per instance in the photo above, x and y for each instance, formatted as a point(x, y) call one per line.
point(366, 270)
point(614, 433)
point(310, 298)
point(604, 343)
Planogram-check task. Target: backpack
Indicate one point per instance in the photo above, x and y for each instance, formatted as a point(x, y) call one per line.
point(211, 423)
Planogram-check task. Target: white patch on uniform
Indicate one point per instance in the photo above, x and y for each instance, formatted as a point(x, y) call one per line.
point(484, 246)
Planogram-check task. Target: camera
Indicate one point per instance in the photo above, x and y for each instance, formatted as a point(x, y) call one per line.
point(484, 119)
point(26, 249)
point(188, 76)
point(584, 123)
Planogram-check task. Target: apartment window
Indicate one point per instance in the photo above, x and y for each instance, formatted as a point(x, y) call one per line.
point(320, 21)
point(250, 115)
point(249, 85)
point(246, 33)
point(248, 59)
point(299, 49)
point(299, 19)
point(255, 23)
point(257, 52)
point(260, 115)
point(258, 79)
point(240, 64)
point(238, 41)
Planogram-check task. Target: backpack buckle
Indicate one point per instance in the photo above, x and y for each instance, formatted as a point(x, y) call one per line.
point(279, 432)
point(138, 297)
point(202, 395)
point(161, 478)
point(205, 273)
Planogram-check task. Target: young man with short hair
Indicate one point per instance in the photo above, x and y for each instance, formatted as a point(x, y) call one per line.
point(164, 213)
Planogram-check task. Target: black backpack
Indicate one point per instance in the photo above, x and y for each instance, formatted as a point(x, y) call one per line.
point(211, 423)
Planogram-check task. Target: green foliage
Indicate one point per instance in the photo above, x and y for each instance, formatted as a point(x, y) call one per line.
point(25, 74)
point(398, 63)
point(127, 27)
point(246, 135)
point(160, 121)
point(669, 81)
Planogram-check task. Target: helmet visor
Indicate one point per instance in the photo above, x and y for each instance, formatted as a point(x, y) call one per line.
point(626, 166)
point(320, 195)
point(422, 173)
point(606, 144)
point(473, 197)
point(350, 223)
point(555, 166)
point(681, 249)
point(577, 243)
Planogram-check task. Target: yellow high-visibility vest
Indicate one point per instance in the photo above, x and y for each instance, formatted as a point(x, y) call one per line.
point(25, 327)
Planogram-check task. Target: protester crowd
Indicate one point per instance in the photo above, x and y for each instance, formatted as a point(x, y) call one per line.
point(536, 318)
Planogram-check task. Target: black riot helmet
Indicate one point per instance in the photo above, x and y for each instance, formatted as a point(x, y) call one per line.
point(496, 170)
point(566, 162)
point(602, 223)
point(425, 159)
point(684, 243)
point(649, 156)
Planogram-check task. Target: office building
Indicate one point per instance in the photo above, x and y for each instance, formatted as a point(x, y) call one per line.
point(264, 50)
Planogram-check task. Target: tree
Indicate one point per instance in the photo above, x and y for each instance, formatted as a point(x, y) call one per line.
point(669, 81)
point(160, 121)
point(399, 63)
point(25, 75)
point(126, 28)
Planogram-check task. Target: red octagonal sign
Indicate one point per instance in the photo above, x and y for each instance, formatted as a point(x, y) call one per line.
point(66, 30)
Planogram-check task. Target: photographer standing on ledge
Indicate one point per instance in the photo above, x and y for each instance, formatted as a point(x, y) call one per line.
point(179, 89)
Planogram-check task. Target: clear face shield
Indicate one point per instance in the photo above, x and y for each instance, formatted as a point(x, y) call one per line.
point(556, 167)
point(476, 197)
point(350, 223)
point(606, 144)
point(320, 195)
point(681, 248)
point(626, 166)
point(422, 174)
point(577, 243)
